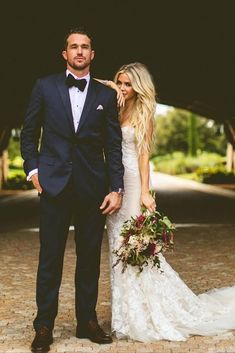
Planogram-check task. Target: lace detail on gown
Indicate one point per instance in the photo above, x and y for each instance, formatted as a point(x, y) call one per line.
point(158, 305)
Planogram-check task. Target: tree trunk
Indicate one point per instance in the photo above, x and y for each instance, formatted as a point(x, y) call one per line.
point(230, 158)
point(3, 168)
point(192, 135)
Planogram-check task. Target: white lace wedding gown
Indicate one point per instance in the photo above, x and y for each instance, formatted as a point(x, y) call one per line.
point(155, 305)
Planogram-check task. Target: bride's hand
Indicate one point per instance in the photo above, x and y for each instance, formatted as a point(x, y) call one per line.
point(120, 98)
point(113, 85)
point(148, 201)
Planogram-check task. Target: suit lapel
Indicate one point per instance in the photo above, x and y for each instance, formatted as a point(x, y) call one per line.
point(64, 93)
point(90, 98)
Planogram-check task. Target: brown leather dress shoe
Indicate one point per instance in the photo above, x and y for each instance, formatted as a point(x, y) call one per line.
point(42, 340)
point(94, 332)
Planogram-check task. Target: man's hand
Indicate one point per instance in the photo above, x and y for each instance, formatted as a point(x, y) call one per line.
point(112, 203)
point(36, 183)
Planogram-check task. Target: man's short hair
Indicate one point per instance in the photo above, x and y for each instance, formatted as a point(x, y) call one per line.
point(78, 30)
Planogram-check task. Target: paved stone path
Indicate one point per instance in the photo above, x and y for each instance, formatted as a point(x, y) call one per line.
point(204, 256)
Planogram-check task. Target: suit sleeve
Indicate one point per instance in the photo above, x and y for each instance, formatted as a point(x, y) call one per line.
point(113, 145)
point(31, 130)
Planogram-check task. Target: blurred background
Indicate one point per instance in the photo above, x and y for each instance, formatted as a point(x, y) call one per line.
point(188, 46)
point(186, 144)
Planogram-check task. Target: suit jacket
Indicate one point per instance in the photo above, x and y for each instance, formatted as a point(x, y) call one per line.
point(91, 155)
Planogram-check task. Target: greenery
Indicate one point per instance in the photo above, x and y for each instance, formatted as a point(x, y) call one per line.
point(192, 135)
point(206, 167)
point(16, 178)
point(14, 145)
point(190, 146)
point(16, 163)
point(177, 163)
point(180, 130)
point(215, 175)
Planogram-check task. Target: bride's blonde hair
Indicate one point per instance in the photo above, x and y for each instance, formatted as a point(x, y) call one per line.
point(143, 110)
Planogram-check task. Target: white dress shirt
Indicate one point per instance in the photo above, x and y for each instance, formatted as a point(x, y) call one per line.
point(77, 100)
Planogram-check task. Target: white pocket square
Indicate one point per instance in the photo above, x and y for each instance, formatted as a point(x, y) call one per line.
point(100, 107)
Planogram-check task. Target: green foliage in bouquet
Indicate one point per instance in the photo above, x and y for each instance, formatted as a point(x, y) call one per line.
point(143, 238)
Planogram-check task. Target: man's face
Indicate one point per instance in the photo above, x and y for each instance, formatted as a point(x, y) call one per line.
point(78, 53)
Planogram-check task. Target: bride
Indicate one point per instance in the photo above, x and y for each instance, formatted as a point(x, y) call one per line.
point(154, 305)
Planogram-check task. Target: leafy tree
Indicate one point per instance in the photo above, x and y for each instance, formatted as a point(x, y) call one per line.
point(172, 133)
point(192, 135)
point(211, 136)
point(14, 144)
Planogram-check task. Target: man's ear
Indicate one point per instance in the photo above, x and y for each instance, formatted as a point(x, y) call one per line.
point(92, 54)
point(64, 54)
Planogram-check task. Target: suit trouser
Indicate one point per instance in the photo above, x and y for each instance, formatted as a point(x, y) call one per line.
point(55, 217)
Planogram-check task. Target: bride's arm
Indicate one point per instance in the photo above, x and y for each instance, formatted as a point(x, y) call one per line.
point(146, 198)
point(111, 84)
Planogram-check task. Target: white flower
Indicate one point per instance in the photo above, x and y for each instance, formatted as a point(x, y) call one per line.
point(133, 242)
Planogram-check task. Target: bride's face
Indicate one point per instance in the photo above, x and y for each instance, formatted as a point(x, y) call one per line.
point(124, 83)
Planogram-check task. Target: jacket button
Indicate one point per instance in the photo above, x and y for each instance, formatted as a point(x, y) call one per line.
point(70, 162)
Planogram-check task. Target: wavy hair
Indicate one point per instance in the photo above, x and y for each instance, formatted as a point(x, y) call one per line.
point(142, 112)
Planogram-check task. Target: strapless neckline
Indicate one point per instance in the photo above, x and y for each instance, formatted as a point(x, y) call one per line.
point(127, 126)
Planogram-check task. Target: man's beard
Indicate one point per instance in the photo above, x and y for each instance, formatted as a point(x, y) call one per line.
point(80, 67)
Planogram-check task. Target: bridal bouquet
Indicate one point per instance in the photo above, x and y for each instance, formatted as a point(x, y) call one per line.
point(143, 238)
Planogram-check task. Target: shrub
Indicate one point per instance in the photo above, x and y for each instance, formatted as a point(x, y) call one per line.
point(179, 163)
point(16, 163)
point(215, 175)
point(17, 181)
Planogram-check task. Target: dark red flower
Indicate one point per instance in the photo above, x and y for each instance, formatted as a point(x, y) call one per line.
point(151, 249)
point(140, 220)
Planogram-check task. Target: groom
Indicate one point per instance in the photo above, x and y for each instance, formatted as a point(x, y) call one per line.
point(78, 173)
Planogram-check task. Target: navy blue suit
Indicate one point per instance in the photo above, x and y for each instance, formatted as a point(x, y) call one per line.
point(76, 170)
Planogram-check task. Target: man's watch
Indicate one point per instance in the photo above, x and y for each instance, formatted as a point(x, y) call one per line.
point(119, 191)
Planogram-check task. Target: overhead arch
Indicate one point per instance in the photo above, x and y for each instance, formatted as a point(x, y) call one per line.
point(189, 47)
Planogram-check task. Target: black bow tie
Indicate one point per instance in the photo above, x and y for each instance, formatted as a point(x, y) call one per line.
point(80, 84)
